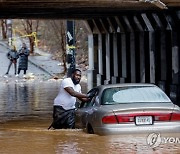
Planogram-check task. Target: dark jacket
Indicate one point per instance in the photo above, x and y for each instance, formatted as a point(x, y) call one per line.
point(13, 55)
point(23, 59)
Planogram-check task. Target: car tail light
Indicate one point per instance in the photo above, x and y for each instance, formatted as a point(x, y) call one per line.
point(162, 117)
point(175, 117)
point(109, 119)
point(127, 118)
point(117, 119)
point(156, 117)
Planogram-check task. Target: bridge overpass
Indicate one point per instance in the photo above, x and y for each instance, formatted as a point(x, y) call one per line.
point(78, 8)
point(129, 40)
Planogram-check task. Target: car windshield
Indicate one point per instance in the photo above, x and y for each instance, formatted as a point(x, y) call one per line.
point(117, 95)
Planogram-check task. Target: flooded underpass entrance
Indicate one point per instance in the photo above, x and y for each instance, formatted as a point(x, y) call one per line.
point(26, 112)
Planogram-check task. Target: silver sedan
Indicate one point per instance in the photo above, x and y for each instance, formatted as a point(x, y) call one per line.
point(128, 108)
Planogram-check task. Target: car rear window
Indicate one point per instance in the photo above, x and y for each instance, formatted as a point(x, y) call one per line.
point(142, 94)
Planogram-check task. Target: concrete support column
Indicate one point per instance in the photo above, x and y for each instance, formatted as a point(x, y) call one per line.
point(152, 58)
point(175, 59)
point(123, 53)
point(107, 59)
point(160, 47)
point(139, 50)
point(163, 60)
point(150, 62)
point(132, 57)
point(115, 59)
point(175, 86)
point(173, 74)
point(91, 61)
point(142, 58)
point(100, 61)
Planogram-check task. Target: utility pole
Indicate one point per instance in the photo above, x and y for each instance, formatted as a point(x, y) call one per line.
point(70, 47)
point(9, 31)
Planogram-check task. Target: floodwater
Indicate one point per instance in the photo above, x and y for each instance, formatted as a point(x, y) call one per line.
point(26, 113)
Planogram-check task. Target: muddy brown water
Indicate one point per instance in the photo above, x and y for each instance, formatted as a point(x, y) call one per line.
point(26, 113)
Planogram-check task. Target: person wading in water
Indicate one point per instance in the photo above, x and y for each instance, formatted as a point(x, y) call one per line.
point(64, 103)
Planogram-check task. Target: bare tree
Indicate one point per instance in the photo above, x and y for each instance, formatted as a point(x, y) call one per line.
point(53, 40)
point(59, 29)
point(81, 39)
point(4, 28)
point(31, 26)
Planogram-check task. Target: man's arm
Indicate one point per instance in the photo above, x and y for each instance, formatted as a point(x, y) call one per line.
point(80, 96)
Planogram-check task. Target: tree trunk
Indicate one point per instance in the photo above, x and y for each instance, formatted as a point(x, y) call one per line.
point(31, 43)
point(4, 28)
point(64, 63)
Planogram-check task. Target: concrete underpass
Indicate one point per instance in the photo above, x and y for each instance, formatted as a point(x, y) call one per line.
point(141, 47)
point(129, 41)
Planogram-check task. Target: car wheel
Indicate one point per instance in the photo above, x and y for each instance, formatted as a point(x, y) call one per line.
point(89, 129)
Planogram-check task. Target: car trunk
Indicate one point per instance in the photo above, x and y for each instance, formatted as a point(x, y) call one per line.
point(140, 113)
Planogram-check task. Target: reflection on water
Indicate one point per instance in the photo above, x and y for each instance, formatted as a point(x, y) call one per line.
point(27, 98)
point(26, 112)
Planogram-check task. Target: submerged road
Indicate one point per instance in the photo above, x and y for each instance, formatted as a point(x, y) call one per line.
point(26, 112)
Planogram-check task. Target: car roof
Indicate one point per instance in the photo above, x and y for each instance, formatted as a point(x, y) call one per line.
point(125, 85)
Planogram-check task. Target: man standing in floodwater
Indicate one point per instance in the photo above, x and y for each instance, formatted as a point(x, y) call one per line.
point(64, 103)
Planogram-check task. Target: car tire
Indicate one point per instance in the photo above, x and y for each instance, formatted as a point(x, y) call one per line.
point(89, 129)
